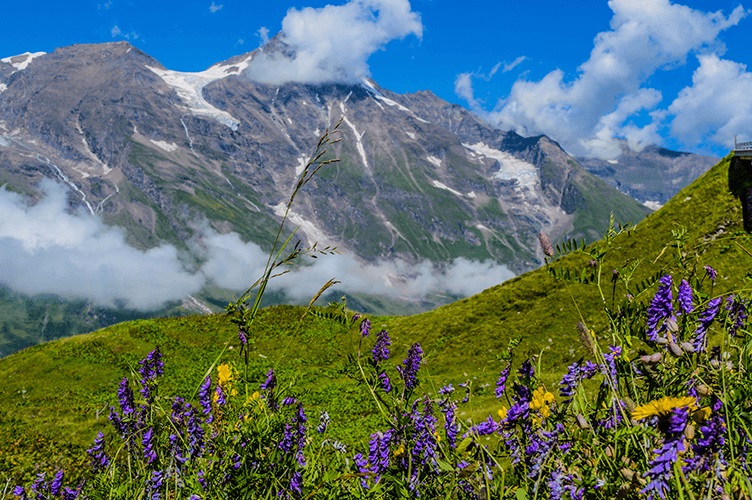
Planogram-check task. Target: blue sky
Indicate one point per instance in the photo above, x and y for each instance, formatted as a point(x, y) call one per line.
point(584, 73)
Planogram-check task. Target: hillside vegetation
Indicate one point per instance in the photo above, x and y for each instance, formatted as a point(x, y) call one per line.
point(55, 397)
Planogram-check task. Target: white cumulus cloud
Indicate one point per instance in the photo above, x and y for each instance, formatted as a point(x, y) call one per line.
point(333, 43)
point(717, 106)
point(588, 112)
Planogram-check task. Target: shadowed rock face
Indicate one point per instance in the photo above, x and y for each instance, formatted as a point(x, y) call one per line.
point(155, 150)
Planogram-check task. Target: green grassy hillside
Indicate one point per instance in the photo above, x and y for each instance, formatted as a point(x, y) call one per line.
point(54, 397)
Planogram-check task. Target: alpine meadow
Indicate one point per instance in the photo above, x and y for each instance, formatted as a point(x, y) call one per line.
point(275, 278)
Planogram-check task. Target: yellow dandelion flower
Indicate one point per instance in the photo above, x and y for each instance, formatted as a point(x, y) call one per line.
point(225, 373)
point(503, 413)
point(662, 406)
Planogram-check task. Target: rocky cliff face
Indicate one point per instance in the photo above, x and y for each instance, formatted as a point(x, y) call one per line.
point(153, 150)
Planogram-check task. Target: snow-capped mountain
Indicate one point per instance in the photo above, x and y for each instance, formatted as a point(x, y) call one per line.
point(150, 149)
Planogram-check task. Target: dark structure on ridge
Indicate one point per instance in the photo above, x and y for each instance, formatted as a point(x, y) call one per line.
point(740, 179)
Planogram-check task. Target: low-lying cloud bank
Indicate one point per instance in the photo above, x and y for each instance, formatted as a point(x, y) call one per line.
point(333, 43)
point(590, 113)
point(45, 250)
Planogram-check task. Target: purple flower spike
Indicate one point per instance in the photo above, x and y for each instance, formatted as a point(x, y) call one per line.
point(57, 483)
point(148, 441)
point(204, 398)
point(270, 382)
point(526, 369)
point(737, 309)
point(296, 484)
point(706, 319)
point(501, 384)
point(365, 328)
point(99, 458)
point(660, 308)
point(712, 273)
point(380, 350)
point(386, 384)
point(570, 381)
point(243, 337)
point(685, 297)
point(125, 397)
point(411, 365)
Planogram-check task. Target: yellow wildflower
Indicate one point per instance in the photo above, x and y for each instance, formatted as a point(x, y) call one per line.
point(225, 373)
point(662, 406)
point(503, 413)
point(400, 450)
point(541, 399)
point(437, 436)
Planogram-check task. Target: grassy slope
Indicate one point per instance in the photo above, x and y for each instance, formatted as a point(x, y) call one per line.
point(50, 394)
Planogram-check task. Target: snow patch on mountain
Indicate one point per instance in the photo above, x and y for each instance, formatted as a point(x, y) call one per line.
point(510, 167)
point(22, 61)
point(3, 88)
point(434, 160)
point(190, 86)
point(313, 233)
point(302, 162)
point(167, 146)
point(443, 186)
point(358, 136)
point(653, 205)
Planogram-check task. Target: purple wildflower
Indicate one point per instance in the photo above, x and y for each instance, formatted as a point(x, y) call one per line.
point(296, 483)
point(204, 399)
point(488, 426)
point(501, 384)
point(149, 368)
point(148, 441)
point(737, 310)
point(365, 328)
point(660, 308)
point(57, 483)
point(706, 319)
point(450, 425)
point(380, 350)
point(409, 371)
point(386, 384)
point(155, 484)
point(270, 382)
point(125, 398)
point(361, 463)
point(242, 337)
point(221, 400)
point(707, 451)
point(673, 445)
point(541, 444)
point(446, 390)
point(560, 484)
point(589, 369)
point(613, 353)
point(19, 491)
point(526, 369)
point(99, 458)
point(293, 437)
point(424, 438)
point(685, 297)
point(323, 422)
point(378, 453)
point(568, 384)
point(712, 273)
